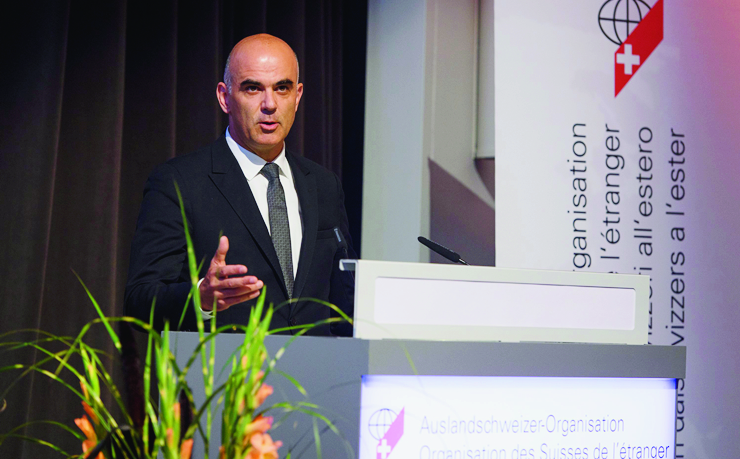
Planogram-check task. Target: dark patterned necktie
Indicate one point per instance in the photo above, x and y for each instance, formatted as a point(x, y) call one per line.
point(279, 227)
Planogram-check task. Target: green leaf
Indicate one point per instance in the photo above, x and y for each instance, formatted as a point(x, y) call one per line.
point(316, 438)
point(37, 367)
point(185, 309)
point(77, 433)
point(113, 336)
point(39, 442)
point(293, 381)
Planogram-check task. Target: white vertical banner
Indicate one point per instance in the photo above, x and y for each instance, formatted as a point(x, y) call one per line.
point(617, 126)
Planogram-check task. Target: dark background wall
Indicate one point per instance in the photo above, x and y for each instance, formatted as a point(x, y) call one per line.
point(94, 95)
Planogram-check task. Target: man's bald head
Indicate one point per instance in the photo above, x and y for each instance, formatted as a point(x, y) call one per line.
point(260, 93)
point(252, 43)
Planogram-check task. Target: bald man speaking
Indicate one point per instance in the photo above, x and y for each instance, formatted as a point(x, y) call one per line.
point(282, 216)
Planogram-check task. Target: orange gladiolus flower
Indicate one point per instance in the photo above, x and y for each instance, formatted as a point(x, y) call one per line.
point(84, 424)
point(170, 437)
point(186, 449)
point(259, 425)
point(263, 447)
point(262, 393)
point(90, 413)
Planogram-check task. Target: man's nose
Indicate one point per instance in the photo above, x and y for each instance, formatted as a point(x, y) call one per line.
point(269, 104)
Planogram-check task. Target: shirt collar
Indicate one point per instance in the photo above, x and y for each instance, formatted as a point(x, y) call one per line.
point(251, 163)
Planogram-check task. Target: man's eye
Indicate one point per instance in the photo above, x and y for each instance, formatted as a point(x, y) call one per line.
point(283, 89)
point(252, 88)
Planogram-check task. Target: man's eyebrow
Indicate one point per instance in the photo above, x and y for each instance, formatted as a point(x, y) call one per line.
point(249, 82)
point(285, 82)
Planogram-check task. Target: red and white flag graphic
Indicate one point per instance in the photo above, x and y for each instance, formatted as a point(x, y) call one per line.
point(638, 46)
point(391, 437)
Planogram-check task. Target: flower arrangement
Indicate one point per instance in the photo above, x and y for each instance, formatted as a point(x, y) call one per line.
point(146, 429)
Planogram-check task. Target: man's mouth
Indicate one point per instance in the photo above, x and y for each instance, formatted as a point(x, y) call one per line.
point(269, 125)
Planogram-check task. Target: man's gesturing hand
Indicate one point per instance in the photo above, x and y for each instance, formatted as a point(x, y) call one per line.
point(221, 285)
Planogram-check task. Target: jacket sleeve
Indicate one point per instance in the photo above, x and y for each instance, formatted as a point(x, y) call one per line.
point(158, 272)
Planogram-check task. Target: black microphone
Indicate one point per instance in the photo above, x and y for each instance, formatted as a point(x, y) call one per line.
point(341, 240)
point(344, 328)
point(343, 245)
point(442, 250)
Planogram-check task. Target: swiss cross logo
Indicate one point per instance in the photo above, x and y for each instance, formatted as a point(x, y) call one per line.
point(387, 428)
point(628, 59)
point(637, 29)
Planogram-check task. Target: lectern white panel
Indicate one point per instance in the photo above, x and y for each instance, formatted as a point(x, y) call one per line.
point(398, 301)
point(473, 303)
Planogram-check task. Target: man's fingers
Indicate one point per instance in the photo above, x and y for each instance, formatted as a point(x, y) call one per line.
point(225, 303)
point(223, 247)
point(215, 284)
point(232, 292)
point(232, 270)
point(238, 282)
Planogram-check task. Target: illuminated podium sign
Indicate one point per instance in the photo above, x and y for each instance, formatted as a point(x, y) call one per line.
point(430, 417)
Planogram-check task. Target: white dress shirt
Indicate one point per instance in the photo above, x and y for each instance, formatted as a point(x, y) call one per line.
point(251, 165)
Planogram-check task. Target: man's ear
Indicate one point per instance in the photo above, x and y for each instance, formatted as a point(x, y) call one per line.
point(222, 93)
point(299, 93)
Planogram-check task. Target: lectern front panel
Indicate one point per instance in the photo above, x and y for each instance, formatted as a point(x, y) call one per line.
point(516, 417)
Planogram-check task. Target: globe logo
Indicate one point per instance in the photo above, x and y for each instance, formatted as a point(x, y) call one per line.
point(380, 421)
point(618, 18)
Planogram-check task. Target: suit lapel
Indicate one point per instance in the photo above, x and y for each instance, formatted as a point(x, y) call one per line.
point(229, 179)
point(305, 185)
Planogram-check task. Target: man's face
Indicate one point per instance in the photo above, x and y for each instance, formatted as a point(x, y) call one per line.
point(264, 95)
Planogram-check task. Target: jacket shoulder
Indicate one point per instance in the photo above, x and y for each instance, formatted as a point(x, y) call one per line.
point(313, 167)
point(198, 159)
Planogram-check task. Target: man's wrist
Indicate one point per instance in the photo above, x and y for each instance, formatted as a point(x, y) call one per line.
point(203, 312)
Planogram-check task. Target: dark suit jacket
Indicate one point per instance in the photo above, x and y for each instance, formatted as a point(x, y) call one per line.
point(218, 200)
